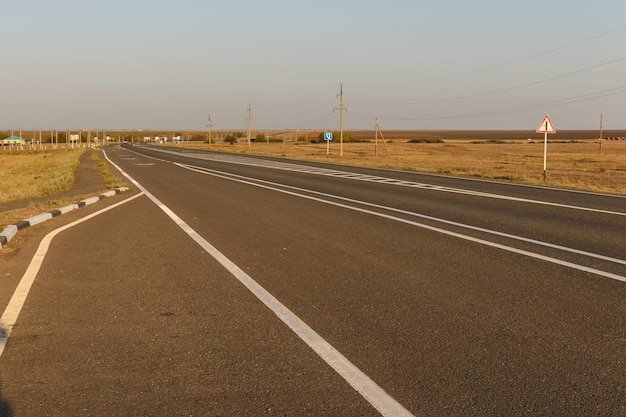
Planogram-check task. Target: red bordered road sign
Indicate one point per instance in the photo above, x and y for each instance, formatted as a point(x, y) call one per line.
point(546, 126)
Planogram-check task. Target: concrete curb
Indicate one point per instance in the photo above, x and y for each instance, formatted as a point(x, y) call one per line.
point(11, 230)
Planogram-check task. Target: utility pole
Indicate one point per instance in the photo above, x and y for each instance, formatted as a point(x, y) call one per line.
point(376, 138)
point(249, 122)
point(209, 125)
point(600, 134)
point(600, 126)
point(377, 129)
point(341, 110)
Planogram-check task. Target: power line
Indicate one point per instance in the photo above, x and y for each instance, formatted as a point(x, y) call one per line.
point(321, 106)
point(527, 58)
point(496, 66)
point(502, 90)
point(553, 103)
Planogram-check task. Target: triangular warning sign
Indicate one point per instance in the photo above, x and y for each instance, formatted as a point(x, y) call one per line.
point(546, 126)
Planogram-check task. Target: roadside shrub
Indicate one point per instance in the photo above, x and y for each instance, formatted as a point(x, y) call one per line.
point(336, 134)
point(424, 140)
point(490, 141)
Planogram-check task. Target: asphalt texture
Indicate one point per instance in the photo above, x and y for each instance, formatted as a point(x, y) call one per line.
point(129, 316)
point(15, 255)
point(140, 322)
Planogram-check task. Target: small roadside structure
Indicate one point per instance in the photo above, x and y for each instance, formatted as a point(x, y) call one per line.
point(12, 140)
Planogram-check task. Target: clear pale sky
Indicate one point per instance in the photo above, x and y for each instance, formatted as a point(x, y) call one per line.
point(153, 64)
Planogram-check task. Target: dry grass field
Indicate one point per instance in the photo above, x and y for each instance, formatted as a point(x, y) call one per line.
point(28, 174)
point(37, 178)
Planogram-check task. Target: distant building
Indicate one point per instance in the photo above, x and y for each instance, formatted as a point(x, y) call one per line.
point(12, 140)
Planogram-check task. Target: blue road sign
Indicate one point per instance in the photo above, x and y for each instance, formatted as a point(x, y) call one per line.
point(328, 135)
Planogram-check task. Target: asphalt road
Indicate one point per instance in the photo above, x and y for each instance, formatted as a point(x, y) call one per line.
point(293, 289)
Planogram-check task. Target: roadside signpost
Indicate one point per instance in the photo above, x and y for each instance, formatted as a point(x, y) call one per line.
point(545, 127)
point(328, 136)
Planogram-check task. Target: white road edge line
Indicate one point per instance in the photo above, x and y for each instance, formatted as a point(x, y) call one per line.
point(286, 166)
point(363, 384)
point(14, 307)
point(406, 212)
point(413, 223)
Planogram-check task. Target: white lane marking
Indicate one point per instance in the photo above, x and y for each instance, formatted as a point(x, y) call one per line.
point(285, 166)
point(408, 213)
point(363, 384)
point(421, 225)
point(323, 171)
point(14, 307)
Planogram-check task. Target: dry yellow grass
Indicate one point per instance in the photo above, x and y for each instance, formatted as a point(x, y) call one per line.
point(30, 174)
point(580, 165)
point(110, 181)
point(41, 177)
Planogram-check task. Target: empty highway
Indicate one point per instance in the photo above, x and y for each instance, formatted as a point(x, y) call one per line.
point(230, 285)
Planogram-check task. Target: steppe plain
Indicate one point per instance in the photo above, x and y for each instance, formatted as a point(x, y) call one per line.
point(576, 160)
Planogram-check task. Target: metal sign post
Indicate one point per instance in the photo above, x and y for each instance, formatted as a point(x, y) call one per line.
point(545, 127)
point(328, 136)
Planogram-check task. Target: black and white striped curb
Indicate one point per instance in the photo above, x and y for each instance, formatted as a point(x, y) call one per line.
point(11, 230)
